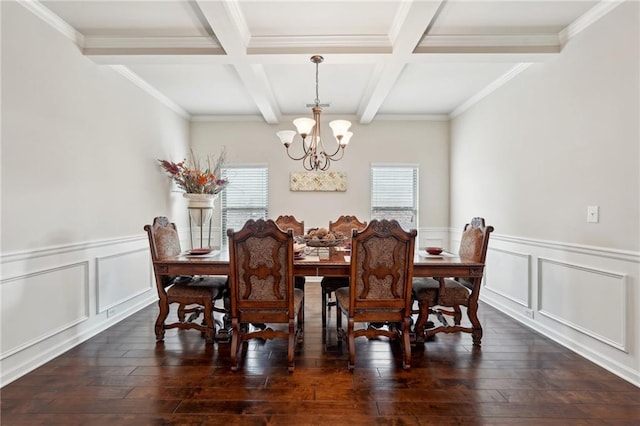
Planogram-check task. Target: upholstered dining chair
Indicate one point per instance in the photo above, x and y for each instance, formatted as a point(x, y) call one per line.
point(262, 290)
point(445, 296)
point(192, 294)
point(286, 222)
point(380, 286)
point(345, 225)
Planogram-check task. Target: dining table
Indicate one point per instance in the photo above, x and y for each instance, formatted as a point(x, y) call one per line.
point(329, 261)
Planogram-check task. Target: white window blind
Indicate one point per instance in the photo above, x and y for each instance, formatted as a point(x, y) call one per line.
point(394, 194)
point(246, 197)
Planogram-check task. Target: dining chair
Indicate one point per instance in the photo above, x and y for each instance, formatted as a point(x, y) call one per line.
point(380, 286)
point(193, 295)
point(262, 290)
point(445, 296)
point(344, 225)
point(286, 222)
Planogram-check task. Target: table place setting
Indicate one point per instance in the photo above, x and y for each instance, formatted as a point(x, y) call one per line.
point(201, 252)
point(435, 253)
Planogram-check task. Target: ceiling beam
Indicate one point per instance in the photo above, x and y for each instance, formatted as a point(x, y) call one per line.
point(231, 31)
point(411, 22)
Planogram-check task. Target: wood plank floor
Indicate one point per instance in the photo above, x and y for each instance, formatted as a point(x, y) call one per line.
point(123, 377)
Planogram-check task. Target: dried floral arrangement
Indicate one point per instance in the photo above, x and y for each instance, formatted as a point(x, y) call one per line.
point(196, 176)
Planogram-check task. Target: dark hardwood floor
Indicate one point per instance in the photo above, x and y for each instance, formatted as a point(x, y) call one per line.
point(122, 377)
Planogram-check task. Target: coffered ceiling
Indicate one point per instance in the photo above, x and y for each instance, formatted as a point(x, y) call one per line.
point(416, 59)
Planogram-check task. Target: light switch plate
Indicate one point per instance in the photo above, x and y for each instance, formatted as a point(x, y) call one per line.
point(593, 214)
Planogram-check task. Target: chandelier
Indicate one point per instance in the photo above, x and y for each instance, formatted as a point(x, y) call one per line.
point(315, 156)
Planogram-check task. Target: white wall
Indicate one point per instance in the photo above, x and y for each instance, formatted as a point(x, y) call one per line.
point(530, 158)
point(79, 182)
point(424, 143)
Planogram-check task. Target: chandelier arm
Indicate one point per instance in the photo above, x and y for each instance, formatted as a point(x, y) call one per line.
point(307, 148)
point(327, 163)
point(305, 155)
point(334, 157)
point(310, 166)
point(335, 153)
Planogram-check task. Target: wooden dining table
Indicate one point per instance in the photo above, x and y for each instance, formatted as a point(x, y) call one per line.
point(329, 262)
point(337, 263)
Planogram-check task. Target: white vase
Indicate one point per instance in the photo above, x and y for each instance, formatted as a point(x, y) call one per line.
point(200, 207)
point(200, 212)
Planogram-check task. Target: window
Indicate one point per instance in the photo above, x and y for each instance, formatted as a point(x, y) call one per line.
point(246, 197)
point(394, 194)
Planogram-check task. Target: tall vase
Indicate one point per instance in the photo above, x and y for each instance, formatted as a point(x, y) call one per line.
point(200, 214)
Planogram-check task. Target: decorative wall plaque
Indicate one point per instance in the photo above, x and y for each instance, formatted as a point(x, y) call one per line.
point(318, 181)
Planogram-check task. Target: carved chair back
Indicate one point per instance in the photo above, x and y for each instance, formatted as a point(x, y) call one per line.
point(261, 272)
point(286, 222)
point(381, 272)
point(346, 224)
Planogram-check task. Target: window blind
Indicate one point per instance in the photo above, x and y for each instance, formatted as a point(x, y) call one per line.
point(394, 194)
point(246, 197)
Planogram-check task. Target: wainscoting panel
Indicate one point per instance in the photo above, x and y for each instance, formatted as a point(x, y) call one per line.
point(122, 276)
point(584, 297)
point(61, 292)
point(508, 275)
point(54, 298)
point(567, 292)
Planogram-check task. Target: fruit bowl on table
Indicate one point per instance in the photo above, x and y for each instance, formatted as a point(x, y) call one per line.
point(324, 242)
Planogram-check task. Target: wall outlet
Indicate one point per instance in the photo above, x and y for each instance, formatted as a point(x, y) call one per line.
point(593, 214)
point(111, 312)
point(528, 312)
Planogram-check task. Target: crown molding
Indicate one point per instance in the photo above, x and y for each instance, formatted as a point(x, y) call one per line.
point(503, 79)
point(512, 43)
point(226, 118)
point(589, 18)
point(145, 42)
point(135, 79)
point(412, 117)
point(343, 43)
point(53, 20)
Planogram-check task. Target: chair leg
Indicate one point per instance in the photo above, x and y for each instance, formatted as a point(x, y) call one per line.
point(351, 343)
point(423, 314)
point(472, 313)
point(162, 317)
point(338, 318)
point(236, 341)
point(209, 334)
point(181, 312)
point(300, 323)
point(457, 315)
point(406, 343)
point(291, 346)
point(324, 309)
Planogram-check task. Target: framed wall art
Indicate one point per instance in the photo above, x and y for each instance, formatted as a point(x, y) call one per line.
point(318, 181)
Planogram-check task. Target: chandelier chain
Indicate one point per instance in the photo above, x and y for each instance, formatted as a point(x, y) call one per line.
point(317, 101)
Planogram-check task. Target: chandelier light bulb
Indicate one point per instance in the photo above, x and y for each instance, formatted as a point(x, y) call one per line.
point(304, 125)
point(339, 127)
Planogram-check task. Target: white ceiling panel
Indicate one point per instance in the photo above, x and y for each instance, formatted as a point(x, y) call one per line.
point(90, 17)
point(200, 89)
point(340, 86)
point(414, 58)
point(305, 18)
point(508, 17)
point(439, 88)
